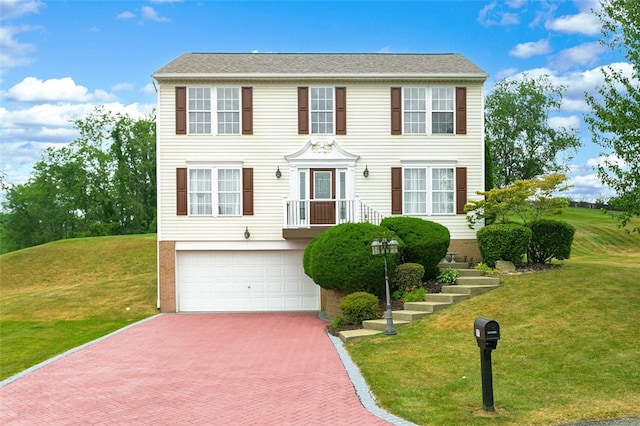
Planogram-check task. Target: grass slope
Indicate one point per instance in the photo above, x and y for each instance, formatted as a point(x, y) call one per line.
point(569, 350)
point(60, 295)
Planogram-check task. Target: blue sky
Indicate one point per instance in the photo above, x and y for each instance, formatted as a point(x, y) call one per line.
point(60, 59)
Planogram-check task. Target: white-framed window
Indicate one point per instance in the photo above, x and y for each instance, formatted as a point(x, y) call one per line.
point(428, 189)
point(213, 108)
point(321, 109)
point(428, 110)
point(215, 190)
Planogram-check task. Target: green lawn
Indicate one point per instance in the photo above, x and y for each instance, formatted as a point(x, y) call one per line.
point(570, 347)
point(57, 296)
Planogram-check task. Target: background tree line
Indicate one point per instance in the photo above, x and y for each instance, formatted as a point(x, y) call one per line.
point(102, 183)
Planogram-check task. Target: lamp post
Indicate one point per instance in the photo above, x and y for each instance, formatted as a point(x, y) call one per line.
point(387, 247)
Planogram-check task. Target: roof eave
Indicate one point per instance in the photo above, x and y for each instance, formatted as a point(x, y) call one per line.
point(323, 76)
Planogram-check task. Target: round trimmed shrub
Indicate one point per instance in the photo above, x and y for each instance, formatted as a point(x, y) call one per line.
point(408, 276)
point(550, 239)
point(359, 306)
point(503, 242)
point(425, 242)
point(340, 258)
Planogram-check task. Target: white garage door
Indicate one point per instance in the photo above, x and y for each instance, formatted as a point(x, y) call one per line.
point(244, 281)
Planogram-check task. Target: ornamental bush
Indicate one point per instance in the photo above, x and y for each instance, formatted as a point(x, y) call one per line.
point(426, 242)
point(504, 242)
point(359, 306)
point(340, 258)
point(408, 277)
point(550, 239)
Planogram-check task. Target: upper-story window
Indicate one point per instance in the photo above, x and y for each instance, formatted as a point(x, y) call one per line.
point(428, 108)
point(207, 104)
point(322, 110)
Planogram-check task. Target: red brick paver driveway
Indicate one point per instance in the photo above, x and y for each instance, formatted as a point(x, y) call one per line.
point(218, 369)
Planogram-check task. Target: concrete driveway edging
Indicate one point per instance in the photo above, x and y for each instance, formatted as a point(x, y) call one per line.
point(362, 389)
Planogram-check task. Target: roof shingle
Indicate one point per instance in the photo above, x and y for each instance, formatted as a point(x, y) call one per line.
point(319, 64)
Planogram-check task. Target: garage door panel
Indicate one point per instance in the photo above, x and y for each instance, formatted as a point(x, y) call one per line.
point(210, 281)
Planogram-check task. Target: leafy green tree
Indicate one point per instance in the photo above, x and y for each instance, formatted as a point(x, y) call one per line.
point(517, 131)
point(102, 183)
point(614, 121)
point(526, 200)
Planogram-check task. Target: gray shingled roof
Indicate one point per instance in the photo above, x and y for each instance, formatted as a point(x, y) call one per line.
point(319, 64)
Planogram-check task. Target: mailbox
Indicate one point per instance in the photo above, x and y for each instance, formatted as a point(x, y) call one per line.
point(487, 333)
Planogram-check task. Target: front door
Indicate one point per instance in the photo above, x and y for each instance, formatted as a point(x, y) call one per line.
point(323, 194)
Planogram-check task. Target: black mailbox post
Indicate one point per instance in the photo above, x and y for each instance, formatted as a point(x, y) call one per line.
point(487, 333)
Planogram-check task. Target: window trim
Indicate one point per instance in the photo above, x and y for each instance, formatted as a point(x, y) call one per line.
point(429, 111)
point(429, 166)
point(333, 111)
point(215, 193)
point(213, 110)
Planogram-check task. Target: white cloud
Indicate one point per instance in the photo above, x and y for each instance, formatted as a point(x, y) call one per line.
point(585, 22)
point(148, 89)
point(495, 14)
point(34, 90)
point(13, 8)
point(532, 48)
point(126, 15)
point(583, 54)
point(150, 14)
point(567, 122)
point(122, 87)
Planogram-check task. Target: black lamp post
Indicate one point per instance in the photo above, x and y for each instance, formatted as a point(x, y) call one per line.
point(387, 247)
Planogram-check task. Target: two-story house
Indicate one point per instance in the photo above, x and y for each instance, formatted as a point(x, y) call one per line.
point(257, 153)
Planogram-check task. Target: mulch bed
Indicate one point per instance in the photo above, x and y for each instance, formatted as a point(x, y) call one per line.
point(433, 286)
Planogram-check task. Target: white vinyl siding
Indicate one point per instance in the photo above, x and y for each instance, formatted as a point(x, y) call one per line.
point(275, 135)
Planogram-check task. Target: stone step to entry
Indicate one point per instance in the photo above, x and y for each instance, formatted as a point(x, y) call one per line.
point(469, 284)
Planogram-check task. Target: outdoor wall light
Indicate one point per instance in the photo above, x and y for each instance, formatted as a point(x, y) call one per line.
point(247, 234)
point(366, 171)
point(278, 173)
point(385, 247)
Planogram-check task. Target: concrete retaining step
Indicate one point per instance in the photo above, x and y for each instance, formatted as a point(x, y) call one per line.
point(348, 335)
point(429, 307)
point(471, 273)
point(446, 297)
point(408, 315)
point(381, 324)
point(471, 290)
point(478, 281)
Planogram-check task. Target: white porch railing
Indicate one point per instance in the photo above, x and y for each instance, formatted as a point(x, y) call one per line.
point(297, 213)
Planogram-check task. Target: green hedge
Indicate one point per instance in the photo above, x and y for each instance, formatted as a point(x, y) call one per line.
point(550, 239)
point(504, 242)
point(426, 242)
point(359, 306)
point(340, 258)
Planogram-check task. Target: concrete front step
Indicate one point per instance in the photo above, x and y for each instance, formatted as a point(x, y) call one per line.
point(455, 265)
point(428, 307)
point(348, 335)
point(471, 273)
point(408, 315)
point(478, 281)
point(471, 290)
point(450, 298)
point(381, 324)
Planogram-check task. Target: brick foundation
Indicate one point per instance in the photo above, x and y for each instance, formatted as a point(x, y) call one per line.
point(330, 302)
point(468, 248)
point(167, 275)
